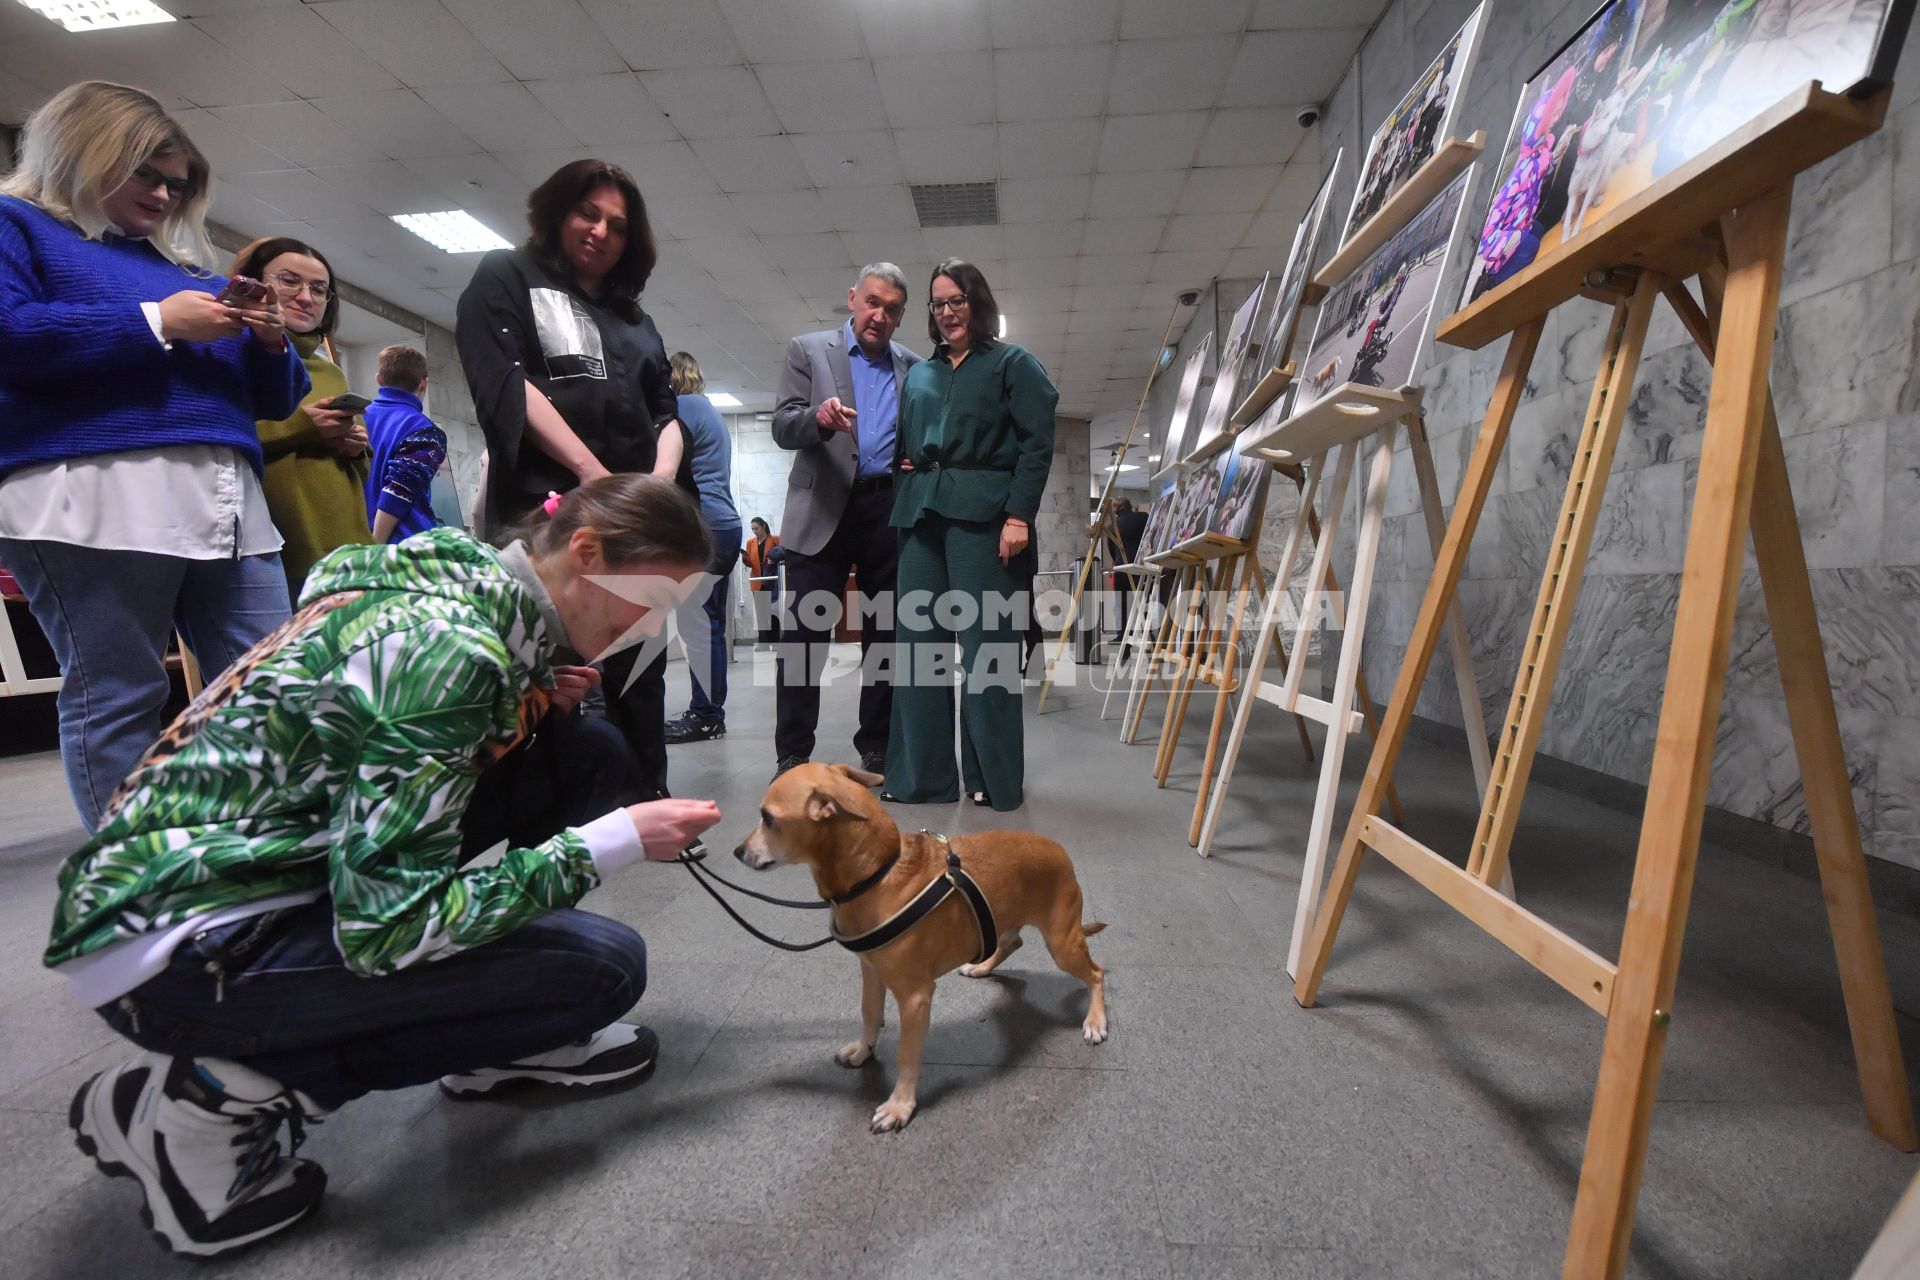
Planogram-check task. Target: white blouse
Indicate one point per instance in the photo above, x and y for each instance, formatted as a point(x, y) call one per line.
point(194, 501)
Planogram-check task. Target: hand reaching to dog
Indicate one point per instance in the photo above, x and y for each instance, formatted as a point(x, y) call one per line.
point(667, 827)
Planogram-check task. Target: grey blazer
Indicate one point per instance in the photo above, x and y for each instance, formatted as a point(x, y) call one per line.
point(823, 470)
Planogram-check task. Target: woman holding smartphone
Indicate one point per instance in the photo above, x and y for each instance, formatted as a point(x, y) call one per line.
point(316, 475)
point(130, 494)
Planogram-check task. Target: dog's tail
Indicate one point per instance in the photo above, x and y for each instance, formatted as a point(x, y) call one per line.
point(1090, 929)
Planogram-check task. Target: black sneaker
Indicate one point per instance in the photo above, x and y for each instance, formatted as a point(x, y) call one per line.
point(619, 1053)
point(692, 728)
point(788, 762)
point(874, 762)
point(202, 1137)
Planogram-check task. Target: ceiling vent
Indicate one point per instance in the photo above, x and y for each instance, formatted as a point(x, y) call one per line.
point(957, 204)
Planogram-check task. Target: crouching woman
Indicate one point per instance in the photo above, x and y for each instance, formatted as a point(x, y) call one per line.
point(274, 907)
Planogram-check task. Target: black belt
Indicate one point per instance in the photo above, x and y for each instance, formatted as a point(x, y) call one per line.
point(936, 892)
point(865, 484)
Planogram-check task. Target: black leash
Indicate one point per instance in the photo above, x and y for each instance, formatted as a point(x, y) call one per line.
point(692, 863)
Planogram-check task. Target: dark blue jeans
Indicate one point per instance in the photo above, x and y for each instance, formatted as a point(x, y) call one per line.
point(708, 620)
point(272, 994)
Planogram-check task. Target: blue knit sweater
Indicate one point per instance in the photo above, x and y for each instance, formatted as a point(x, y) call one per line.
point(80, 370)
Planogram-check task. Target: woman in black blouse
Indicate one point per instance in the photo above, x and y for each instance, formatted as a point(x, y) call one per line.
point(570, 381)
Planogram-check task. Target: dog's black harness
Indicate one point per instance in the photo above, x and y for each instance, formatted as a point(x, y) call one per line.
point(938, 890)
point(954, 878)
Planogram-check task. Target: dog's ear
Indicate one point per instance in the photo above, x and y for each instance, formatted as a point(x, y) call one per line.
point(821, 806)
point(860, 776)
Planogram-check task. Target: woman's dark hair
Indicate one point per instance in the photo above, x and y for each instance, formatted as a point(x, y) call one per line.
point(640, 519)
point(252, 261)
point(561, 194)
point(762, 522)
point(983, 313)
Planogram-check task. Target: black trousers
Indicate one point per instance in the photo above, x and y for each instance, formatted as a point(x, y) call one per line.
point(864, 540)
point(640, 713)
point(574, 769)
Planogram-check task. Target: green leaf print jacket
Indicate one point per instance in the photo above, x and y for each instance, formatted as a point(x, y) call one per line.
point(338, 755)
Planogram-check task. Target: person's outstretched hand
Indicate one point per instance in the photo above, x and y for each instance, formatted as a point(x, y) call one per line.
point(570, 685)
point(667, 827)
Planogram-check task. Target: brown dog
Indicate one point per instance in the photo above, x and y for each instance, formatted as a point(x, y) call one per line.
point(825, 818)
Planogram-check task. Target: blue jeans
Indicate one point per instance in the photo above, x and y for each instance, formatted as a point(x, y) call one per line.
point(272, 994)
point(709, 678)
point(107, 615)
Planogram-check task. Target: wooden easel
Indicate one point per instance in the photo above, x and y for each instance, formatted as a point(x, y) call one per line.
point(1230, 568)
point(1134, 638)
point(1167, 652)
point(1722, 218)
point(1346, 420)
point(1103, 528)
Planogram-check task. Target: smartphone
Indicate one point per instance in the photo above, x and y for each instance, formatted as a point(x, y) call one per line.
point(243, 292)
point(348, 401)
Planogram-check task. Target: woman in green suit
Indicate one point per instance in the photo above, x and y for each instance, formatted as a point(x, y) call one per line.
point(974, 444)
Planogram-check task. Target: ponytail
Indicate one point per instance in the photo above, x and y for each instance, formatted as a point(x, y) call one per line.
point(639, 518)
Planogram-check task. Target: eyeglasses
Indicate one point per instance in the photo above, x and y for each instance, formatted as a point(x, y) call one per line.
point(290, 285)
point(152, 179)
point(953, 304)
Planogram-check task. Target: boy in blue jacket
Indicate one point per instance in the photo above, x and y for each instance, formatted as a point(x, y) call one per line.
point(407, 449)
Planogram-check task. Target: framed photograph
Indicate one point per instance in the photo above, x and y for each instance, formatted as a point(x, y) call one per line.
point(1647, 85)
point(1159, 514)
point(1233, 359)
point(1200, 492)
point(1416, 126)
point(1277, 343)
point(1242, 488)
point(1176, 444)
point(1373, 325)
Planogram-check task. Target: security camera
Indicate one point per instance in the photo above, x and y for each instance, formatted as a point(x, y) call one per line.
point(1309, 116)
point(1187, 297)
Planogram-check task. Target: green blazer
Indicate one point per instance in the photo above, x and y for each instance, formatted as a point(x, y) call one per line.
point(980, 437)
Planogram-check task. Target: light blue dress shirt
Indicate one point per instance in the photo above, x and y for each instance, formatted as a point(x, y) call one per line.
point(876, 398)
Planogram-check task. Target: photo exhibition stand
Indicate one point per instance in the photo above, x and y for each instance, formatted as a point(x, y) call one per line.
point(1346, 420)
point(1104, 530)
point(1723, 219)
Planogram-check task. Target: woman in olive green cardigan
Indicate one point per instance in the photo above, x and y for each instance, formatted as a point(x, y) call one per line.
point(973, 448)
point(316, 474)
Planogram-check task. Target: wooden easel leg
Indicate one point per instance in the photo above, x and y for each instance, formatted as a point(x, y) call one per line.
point(1433, 506)
point(1150, 671)
point(1642, 1003)
point(1131, 637)
point(1829, 796)
point(1333, 751)
point(1229, 664)
point(1263, 648)
point(1205, 640)
point(1441, 587)
point(1073, 615)
point(1823, 768)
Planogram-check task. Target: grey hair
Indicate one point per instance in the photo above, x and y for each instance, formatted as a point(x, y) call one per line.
point(886, 273)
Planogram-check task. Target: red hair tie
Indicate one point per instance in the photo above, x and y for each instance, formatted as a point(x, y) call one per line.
point(552, 504)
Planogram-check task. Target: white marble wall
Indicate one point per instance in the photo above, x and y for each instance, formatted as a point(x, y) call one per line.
point(1848, 387)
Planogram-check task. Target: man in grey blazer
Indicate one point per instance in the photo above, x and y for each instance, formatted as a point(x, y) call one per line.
point(839, 401)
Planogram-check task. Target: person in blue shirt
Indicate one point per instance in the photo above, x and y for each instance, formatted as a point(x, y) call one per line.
point(407, 449)
point(703, 623)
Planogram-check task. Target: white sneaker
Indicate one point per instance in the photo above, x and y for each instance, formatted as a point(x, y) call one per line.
point(202, 1136)
point(620, 1053)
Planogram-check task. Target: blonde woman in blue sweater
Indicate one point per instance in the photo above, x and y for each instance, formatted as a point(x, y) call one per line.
point(130, 496)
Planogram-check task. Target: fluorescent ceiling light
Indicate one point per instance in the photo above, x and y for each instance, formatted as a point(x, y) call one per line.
point(99, 15)
point(1154, 458)
point(454, 230)
point(1129, 467)
point(723, 400)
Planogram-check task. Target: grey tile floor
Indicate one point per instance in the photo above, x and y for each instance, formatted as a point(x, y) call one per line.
point(1426, 1121)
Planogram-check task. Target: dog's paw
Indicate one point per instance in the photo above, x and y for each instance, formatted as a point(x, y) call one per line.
point(1094, 1029)
point(975, 970)
point(853, 1055)
point(892, 1116)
